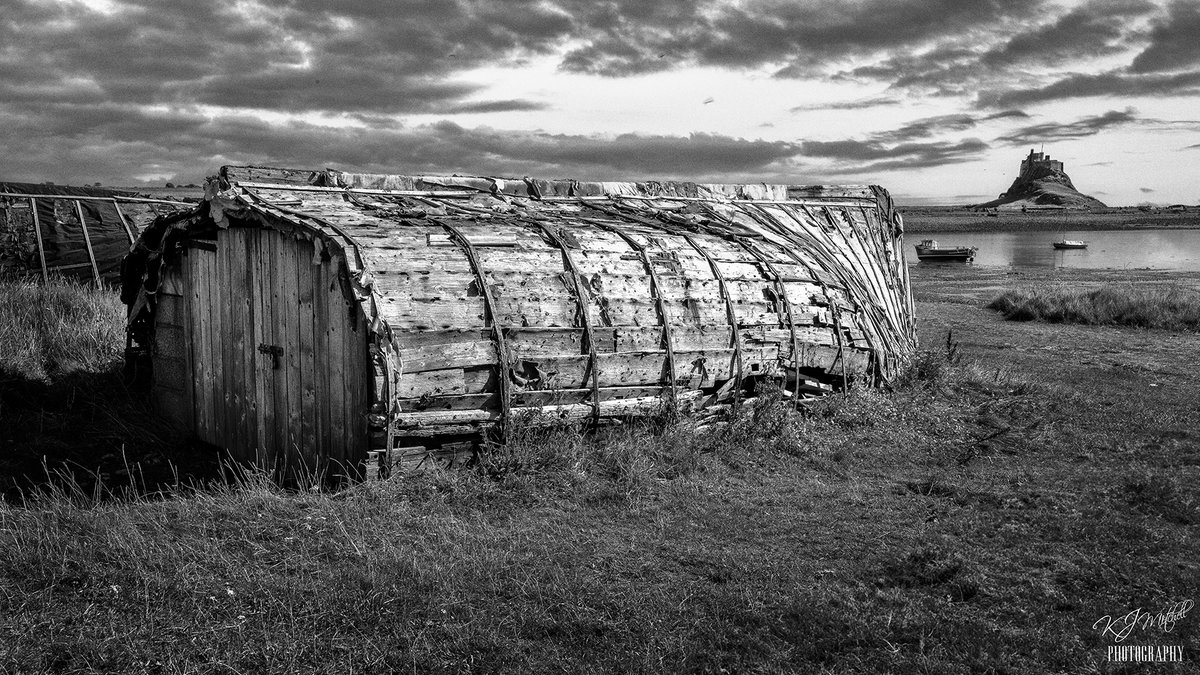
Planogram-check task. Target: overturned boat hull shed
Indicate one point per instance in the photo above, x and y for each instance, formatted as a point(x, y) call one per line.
point(310, 318)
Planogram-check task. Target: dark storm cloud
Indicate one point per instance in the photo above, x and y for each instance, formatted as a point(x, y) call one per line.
point(924, 128)
point(860, 104)
point(1086, 126)
point(300, 56)
point(1006, 114)
point(868, 156)
point(1006, 66)
point(192, 145)
point(508, 105)
point(638, 37)
point(1174, 41)
point(1166, 66)
point(943, 68)
point(1102, 84)
point(928, 127)
point(1094, 29)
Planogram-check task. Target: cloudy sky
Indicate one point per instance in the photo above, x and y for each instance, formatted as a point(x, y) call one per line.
point(937, 100)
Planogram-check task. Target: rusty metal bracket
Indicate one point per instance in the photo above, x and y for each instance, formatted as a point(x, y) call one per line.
point(275, 352)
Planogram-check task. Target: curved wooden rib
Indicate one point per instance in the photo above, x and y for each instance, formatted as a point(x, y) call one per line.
point(504, 381)
point(659, 300)
point(735, 331)
point(585, 315)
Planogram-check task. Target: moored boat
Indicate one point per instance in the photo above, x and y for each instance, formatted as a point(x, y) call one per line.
point(930, 250)
point(1070, 243)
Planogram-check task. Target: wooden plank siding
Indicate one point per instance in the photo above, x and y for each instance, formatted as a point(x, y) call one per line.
point(263, 288)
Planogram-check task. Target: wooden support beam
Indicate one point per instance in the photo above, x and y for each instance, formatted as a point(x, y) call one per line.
point(412, 423)
point(139, 200)
point(124, 222)
point(846, 198)
point(37, 231)
point(87, 240)
point(504, 377)
point(458, 194)
point(585, 315)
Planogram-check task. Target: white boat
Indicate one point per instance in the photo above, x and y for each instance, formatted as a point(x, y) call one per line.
point(1070, 243)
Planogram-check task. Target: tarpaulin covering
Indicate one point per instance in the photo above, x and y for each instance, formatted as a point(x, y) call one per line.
point(64, 239)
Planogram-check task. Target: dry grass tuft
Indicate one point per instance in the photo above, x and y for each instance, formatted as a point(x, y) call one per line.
point(1172, 308)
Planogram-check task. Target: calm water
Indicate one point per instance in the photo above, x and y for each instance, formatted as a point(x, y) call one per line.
point(1177, 250)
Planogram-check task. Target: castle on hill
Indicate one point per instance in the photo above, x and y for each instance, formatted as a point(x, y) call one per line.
point(1042, 182)
point(1038, 160)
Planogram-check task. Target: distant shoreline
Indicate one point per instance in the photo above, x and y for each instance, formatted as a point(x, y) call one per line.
point(959, 219)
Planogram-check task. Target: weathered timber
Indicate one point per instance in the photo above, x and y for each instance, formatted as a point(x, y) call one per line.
point(87, 240)
point(37, 233)
point(329, 314)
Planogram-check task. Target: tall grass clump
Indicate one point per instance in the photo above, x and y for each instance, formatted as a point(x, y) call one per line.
point(59, 327)
point(1172, 308)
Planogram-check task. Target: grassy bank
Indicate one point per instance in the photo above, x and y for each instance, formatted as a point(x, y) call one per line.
point(980, 516)
point(1172, 308)
point(919, 220)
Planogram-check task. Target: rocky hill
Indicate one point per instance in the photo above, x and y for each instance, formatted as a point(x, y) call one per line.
point(1042, 182)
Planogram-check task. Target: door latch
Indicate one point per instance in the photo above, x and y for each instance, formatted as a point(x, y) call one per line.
point(275, 351)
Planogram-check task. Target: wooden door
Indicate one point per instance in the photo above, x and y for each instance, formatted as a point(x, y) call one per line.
point(279, 354)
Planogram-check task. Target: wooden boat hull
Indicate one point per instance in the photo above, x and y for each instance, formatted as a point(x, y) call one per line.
point(1067, 245)
point(403, 319)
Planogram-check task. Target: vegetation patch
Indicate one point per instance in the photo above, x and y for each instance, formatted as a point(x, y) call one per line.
point(977, 516)
point(1172, 308)
point(66, 408)
point(57, 328)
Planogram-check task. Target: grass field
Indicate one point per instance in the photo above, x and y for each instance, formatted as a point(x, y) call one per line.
point(1023, 481)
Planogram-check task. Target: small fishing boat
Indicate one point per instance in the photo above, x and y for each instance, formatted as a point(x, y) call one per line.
point(1070, 243)
point(930, 250)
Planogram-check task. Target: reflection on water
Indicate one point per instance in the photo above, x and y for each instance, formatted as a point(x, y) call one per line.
point(1153, 249)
